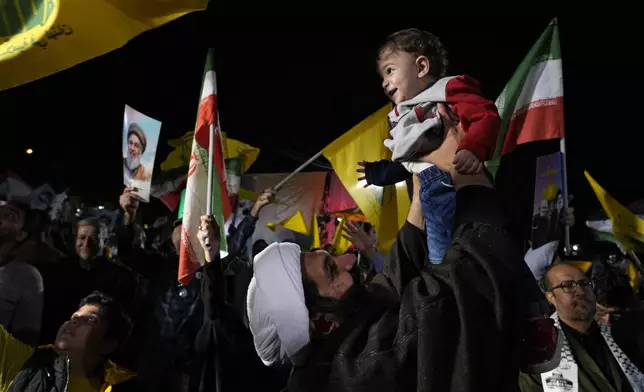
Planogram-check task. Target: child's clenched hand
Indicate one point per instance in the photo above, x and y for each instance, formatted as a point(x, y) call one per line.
point(465, 162)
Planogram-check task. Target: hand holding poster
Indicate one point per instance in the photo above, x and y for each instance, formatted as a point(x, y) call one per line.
point(548, 200)
point(140, 138)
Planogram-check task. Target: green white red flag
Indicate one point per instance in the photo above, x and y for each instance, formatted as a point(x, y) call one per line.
point(531, 104)
point(191, 256)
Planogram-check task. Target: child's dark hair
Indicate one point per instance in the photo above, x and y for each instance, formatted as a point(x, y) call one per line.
point(119, 324)
point(421, 43)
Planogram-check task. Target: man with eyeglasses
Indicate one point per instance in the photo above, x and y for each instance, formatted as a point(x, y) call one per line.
point(591, 361)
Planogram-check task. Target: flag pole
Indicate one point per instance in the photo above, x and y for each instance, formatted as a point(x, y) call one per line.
point(211, 164)
point(562, 148)
point(299, 169)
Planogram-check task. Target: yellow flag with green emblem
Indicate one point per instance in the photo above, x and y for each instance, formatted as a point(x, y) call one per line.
point(180, 156)
point(627, 227)
point(41, 37)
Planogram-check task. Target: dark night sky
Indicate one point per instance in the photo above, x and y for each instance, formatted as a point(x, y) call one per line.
point(292, 90)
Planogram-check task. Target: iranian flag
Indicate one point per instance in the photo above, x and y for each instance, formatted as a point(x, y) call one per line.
point(531, 104)
point(191, 256)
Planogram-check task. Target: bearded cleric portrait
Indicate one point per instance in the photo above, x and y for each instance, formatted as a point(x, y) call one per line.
point(136, 143)
point(140, 137)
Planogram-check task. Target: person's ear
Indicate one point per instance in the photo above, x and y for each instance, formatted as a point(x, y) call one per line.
point(322, 324)
point(109, 346)
point(550, 297)
point(423, 66)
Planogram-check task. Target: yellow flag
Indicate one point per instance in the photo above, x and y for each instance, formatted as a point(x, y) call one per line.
point(633, 275)
point(245, 194)
point(294, 222)
point(315, 231)
point(340, 244)
point(626, 225)
point(180, 156)
point(41, 37)
point(249, 154)
point(386, 208)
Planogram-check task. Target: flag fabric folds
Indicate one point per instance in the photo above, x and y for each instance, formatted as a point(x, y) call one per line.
point(191, 256)
point(315, 231)
point(385, 207)
point(340, 244)
point(294, 222)
point(41, 37)
point(531, 104)
point(180, 156)
point(168, 184)
point(294, 206)
point(627, 228)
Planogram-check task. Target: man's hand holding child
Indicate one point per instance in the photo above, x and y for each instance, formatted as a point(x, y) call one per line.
point(465, 162)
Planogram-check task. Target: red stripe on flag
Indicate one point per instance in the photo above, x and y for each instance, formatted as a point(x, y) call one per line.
point(187, 269)
point(172, 199)
point(221, 174)
point(541, 120)
point(206, 116)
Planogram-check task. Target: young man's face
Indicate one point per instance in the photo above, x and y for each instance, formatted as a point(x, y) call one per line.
point(404, 75)
point(84, 333)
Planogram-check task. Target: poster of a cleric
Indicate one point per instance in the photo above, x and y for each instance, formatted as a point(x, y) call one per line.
point(140, 138)
point(548, 200)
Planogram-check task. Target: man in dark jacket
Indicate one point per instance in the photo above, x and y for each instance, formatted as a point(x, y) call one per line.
point(78, 360)
point(448, 327)
point(228, 361)
point(175, 312)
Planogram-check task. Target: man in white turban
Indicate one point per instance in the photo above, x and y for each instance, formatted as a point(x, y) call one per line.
point(448, 327)
point(277, 308)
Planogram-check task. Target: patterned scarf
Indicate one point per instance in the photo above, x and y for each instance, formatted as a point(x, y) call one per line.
point(634, 376)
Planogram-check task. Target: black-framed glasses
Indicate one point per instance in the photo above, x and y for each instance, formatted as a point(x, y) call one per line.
point(569, 286)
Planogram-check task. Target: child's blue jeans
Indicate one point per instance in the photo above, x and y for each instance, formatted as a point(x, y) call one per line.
point(438, 200)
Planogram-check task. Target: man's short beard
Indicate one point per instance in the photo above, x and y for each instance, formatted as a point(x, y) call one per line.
point(585, 314)
point(361, 297)
point(132, 164)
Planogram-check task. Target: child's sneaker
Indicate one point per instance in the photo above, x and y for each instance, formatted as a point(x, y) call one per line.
point(541, 351)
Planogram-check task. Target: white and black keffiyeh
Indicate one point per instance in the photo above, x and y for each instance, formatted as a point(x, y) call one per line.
point(634, 376)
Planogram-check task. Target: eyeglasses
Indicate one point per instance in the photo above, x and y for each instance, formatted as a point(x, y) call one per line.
point(569, 286)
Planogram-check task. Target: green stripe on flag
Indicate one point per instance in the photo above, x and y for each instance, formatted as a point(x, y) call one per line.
point(182, 204)
point(217, 208)
point(610, 238)
point(546, 48)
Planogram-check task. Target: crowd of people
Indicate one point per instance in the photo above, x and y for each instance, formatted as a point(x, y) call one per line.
point(452, 307)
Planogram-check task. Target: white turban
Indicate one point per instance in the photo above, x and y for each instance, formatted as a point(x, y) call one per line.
point(277, 313)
